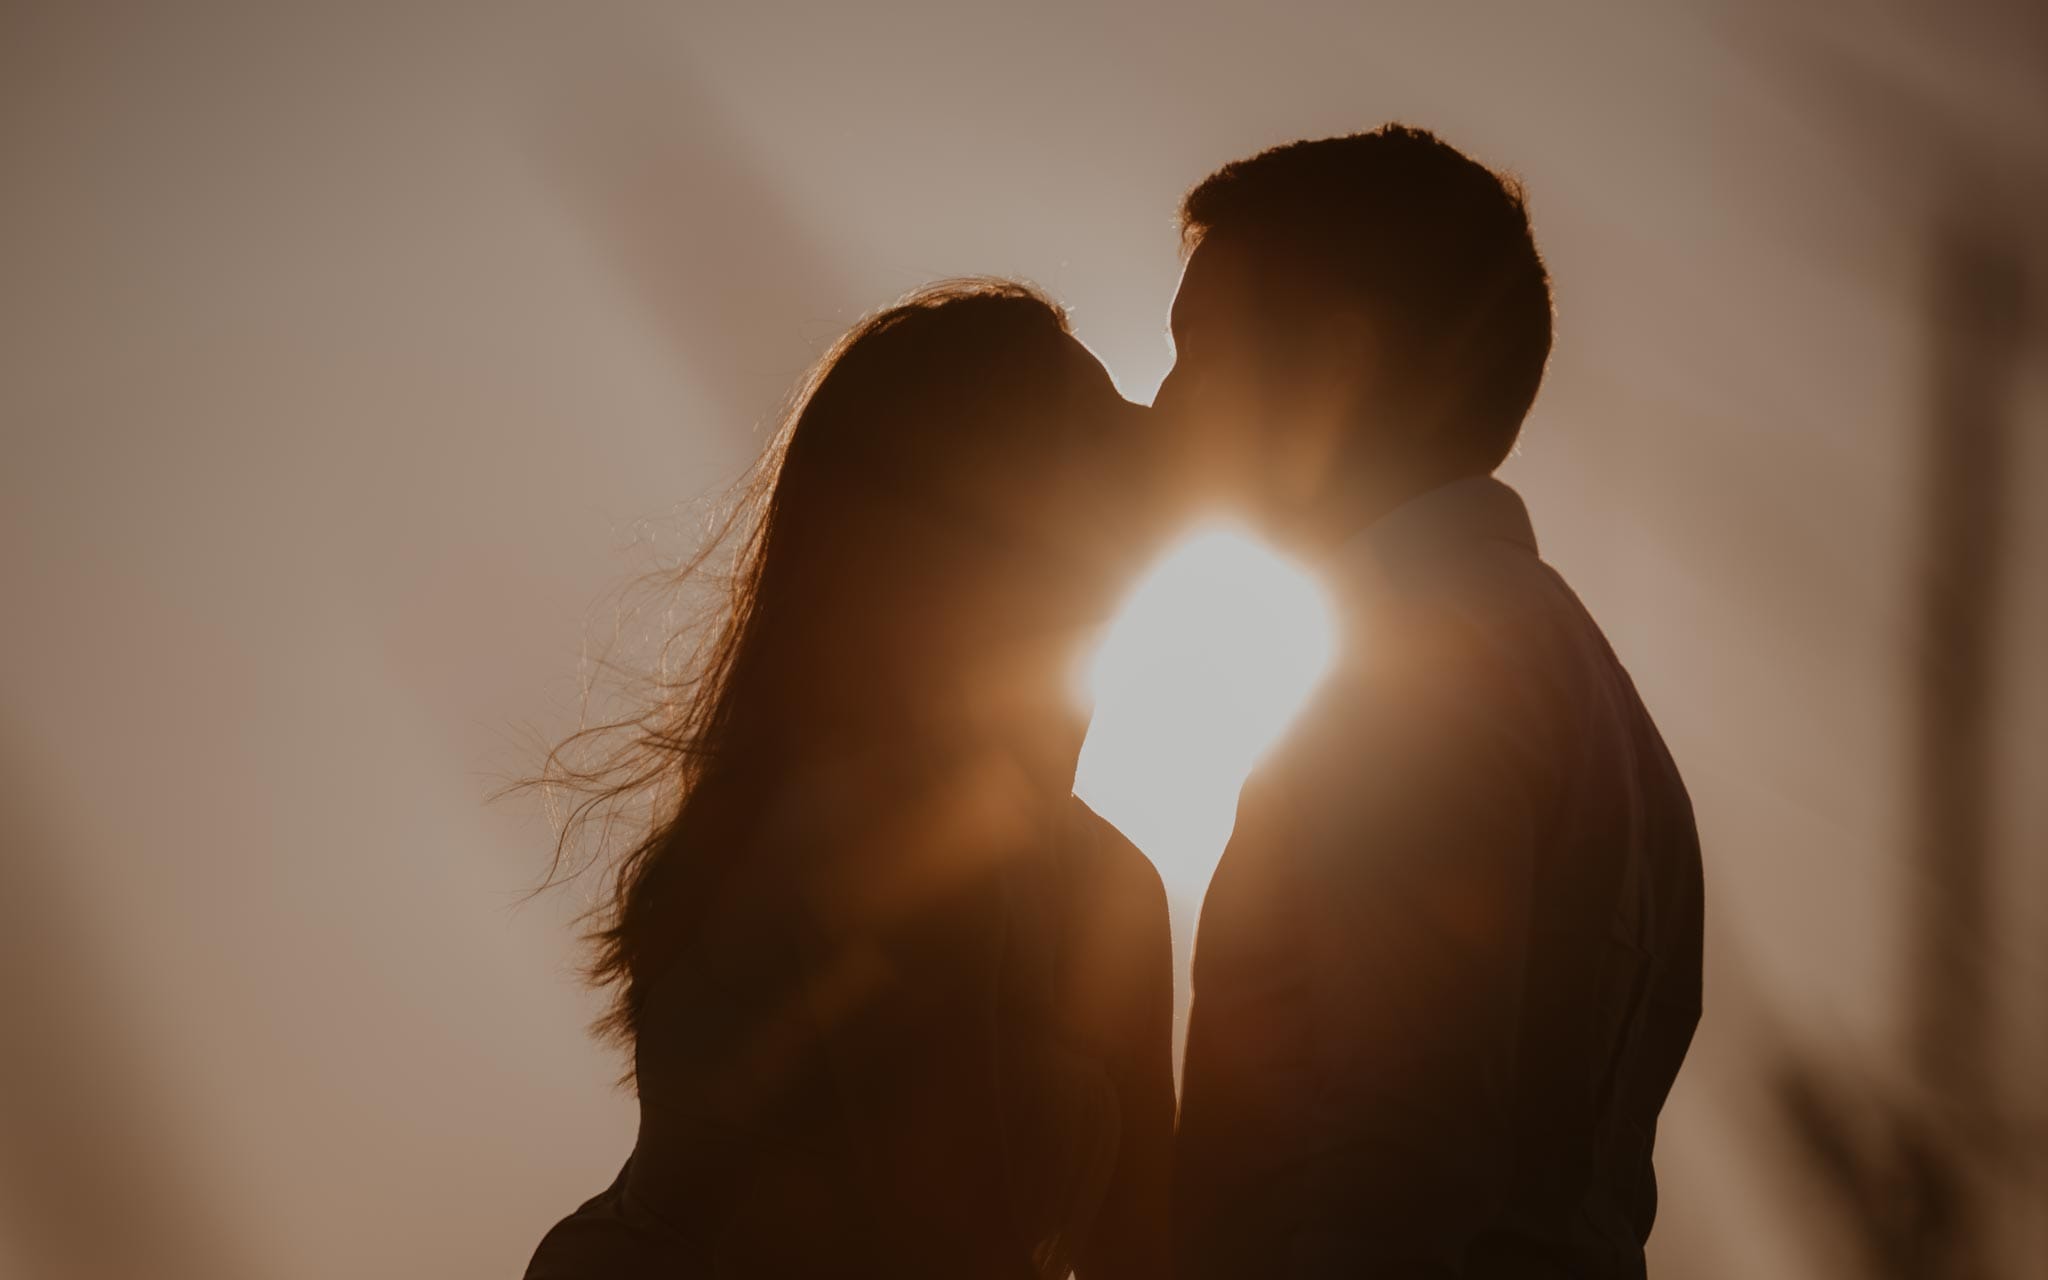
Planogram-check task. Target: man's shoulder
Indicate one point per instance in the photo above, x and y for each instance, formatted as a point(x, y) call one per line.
point(1481, 659)
point(1479, 607)
point(1484, 614)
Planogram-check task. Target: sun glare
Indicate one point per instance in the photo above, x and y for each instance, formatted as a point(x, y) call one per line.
point(1218, 647)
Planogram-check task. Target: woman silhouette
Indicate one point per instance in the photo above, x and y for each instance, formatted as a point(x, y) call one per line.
point(898, 1005)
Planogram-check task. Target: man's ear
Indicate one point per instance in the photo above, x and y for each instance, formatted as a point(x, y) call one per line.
point(1353, 340)
point(1343, 364)
point(1334, 372)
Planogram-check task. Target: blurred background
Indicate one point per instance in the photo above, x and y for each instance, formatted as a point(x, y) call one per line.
point(351, 354)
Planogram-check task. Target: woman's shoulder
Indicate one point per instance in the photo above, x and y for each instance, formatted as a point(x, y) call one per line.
point(1108, 849)
point(1118, 991)
point(1112, 874)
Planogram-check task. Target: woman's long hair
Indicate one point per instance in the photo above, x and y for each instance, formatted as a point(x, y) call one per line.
point(846, 540)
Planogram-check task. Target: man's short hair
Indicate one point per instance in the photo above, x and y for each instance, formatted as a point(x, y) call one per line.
point(1435, 246)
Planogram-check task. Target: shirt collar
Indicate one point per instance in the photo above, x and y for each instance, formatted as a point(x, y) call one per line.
point(1468, 509)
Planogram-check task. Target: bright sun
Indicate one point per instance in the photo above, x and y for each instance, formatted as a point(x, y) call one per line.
point(1216, 650)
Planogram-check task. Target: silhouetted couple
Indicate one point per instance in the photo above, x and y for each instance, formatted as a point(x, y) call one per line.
point(899, 1006)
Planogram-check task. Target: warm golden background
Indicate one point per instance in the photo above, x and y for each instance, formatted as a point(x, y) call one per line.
point(343, 351)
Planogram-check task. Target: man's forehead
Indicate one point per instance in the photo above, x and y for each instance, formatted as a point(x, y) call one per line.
point(1213, 283)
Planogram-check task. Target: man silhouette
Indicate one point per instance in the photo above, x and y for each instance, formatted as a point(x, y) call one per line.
point(1450, 962)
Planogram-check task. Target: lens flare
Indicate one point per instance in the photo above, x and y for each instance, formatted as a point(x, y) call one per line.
point(1217, 649)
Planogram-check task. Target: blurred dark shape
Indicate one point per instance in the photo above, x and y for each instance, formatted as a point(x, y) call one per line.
point(1912, 1172)
point(1978, 317)
point(1920, 1168)
point(92, 1182)
point(1891, 1180)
